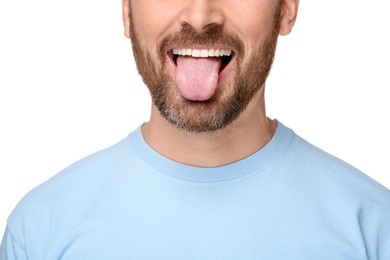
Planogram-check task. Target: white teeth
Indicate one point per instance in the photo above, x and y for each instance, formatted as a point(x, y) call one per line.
point(195, 53)
point(202, 52)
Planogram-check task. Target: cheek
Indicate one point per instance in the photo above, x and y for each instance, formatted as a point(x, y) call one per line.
point(146, 28)
point(253, 20)
point(151, 20)
point(256, 36)
point(256, 28)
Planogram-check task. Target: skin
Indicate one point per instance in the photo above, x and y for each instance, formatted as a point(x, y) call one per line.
point(249, 20)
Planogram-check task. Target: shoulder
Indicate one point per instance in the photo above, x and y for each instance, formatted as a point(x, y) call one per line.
point(68, 191)
point(333, 175)
point(83, 172)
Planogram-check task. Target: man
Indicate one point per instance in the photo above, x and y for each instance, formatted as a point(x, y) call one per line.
point(209, 176)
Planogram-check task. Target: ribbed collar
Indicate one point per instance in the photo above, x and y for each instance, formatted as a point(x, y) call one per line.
point(250, 164)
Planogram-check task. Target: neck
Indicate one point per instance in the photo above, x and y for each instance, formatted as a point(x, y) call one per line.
point(245, 136)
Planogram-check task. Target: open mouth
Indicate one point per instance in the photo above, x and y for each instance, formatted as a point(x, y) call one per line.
point(198, 72)
point(226, 55)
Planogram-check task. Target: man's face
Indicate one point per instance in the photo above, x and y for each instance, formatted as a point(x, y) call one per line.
point(204, 93)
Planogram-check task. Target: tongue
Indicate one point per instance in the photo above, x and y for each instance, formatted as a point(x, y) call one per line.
point(197, 78)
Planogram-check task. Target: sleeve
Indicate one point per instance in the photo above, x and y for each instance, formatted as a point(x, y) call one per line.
point(10, 249)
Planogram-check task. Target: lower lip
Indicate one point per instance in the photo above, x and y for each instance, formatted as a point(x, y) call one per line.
point(221, 74)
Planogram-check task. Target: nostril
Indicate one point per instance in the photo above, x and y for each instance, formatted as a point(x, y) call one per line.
point(201, 14)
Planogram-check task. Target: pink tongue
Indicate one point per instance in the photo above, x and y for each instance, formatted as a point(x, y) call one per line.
point(197, 78)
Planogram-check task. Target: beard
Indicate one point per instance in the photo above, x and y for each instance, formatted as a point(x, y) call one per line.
point(233, 93)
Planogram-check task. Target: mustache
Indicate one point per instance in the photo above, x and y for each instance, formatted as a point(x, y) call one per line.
point(212, 35)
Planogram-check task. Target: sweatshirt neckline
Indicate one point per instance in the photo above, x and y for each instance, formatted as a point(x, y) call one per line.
point(250, 164)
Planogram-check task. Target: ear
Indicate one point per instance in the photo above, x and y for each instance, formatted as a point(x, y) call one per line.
point(126, 16)
point(289, 10)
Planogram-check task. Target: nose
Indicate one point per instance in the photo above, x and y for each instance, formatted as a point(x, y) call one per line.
point(201, 14)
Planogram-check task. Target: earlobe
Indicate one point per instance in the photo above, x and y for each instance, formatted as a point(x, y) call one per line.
point(289, 10)
point(126, 17)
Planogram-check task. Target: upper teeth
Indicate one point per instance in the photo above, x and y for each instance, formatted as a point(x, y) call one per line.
point(202, 52)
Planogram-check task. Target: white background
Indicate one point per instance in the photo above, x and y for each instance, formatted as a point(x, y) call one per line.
point(69, 87)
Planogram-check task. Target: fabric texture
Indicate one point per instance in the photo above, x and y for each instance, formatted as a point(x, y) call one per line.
point(290, 200)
